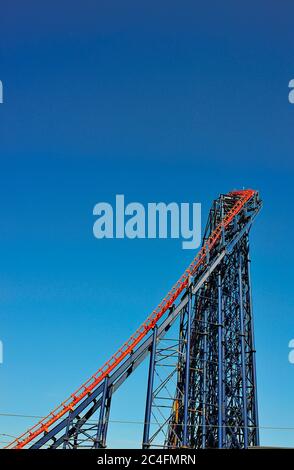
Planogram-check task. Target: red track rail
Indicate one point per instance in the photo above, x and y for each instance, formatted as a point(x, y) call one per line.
point(140, 333)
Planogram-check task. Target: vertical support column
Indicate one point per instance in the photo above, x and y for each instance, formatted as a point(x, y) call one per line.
point(106, 420)
point(253, 352)
point(187, 373)
point(149, 391)
point(204, 382)
point(220, 362)
point(243, 360)
point(66, 438)
point(98, 439)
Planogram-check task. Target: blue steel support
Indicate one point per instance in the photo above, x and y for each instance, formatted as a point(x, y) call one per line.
point(204, 384)
point(243, 361)
point(66, 439)
point(220, 364)
point(149, 391)
point(187, 373)
point(106, 420)
point(257, 440)
point(98, 439)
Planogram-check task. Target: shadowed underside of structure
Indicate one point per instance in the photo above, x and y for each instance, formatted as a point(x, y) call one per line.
point(201, 389)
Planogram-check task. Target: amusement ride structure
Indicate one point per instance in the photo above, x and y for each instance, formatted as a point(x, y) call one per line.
point(201, 390)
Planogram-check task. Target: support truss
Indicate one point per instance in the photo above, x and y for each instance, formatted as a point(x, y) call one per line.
point(215, 401)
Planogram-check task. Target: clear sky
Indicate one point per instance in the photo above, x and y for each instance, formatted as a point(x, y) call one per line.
point(160, 101)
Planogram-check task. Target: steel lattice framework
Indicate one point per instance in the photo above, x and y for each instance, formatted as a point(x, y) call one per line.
point(202, 376)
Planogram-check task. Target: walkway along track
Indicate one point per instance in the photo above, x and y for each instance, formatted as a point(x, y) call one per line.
point(241, 197)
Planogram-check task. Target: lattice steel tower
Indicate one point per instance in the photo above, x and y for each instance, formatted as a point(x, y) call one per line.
point(215, 400)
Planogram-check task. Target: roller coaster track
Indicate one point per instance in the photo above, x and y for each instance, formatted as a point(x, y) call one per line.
point(71, 404)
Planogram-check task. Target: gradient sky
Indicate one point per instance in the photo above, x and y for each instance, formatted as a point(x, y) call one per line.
point(160, 101)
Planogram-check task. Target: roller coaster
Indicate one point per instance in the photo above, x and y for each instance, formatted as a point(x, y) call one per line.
point(201, 390)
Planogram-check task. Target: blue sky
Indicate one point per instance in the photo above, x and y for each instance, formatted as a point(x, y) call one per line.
point(160, 102)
